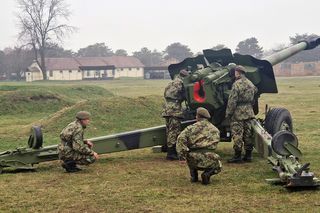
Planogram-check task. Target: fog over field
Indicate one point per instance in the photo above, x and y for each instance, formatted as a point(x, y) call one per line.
point(199, 24)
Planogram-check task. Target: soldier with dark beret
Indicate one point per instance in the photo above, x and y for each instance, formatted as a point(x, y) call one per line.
point(240, 112)
point(74, 149)
point(196, 144)
point(174, 94)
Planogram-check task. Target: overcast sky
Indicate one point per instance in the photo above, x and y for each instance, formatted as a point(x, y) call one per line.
point(200, 24)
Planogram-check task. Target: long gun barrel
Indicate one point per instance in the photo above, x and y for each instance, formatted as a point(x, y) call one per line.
point(290, 51)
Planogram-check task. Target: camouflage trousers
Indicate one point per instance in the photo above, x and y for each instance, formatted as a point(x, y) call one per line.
point(173, 129)
point(66, 153)
point(241, 134)
point(204, 160)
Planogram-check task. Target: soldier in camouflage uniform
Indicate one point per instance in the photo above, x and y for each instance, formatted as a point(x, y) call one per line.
point(174, 94)
point(240, 112)
point(197, 143)
point(73, 149)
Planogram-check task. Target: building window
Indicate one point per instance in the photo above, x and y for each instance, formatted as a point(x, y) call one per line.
point(129, 69)
point(70, 71)
point(79, 70)
point(138, 68)
point(61, 71)
point(50, 73)
point(310, 67)
point(29, 73)
point(121, 69)
point(88, 73)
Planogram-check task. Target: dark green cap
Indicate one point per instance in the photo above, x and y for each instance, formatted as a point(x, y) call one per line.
point(203, 112)
point(240, 68)
point(82, 115)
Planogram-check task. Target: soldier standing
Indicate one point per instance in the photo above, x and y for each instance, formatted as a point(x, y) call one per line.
point(74, 149)
point(174, 94)
point(240, 112)
point(197, 143)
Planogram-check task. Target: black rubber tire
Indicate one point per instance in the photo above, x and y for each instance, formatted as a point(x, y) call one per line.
point(278, 119)
point(35, 139)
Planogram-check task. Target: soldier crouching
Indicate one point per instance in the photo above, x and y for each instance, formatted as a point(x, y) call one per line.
point(197, 143)
point(73, 149)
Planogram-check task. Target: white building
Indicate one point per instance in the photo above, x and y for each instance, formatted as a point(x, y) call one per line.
point(33, 72)
point(87, 68)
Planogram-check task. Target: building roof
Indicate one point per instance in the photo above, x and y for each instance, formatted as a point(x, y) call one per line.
point(123, 61)
point(75, 63)
point(34, 67)
point(91, 61)
point(61, 64)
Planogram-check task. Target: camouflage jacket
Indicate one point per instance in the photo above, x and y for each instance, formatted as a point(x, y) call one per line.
point(174, 95)
point(202, 135)
point(72, 136)
point(241, 100)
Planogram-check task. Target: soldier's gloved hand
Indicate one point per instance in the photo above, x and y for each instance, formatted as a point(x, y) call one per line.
point(89, 143)
point(96, 156)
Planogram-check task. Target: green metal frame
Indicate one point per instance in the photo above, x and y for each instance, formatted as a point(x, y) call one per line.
point(25, 158)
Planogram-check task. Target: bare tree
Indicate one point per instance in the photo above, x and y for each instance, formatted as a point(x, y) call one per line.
point(41, 22)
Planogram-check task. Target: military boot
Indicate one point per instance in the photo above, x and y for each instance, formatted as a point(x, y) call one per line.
point(172, 153)
point(70, 166)
point(247, 156)
point(205, 176)
point(236, 158)
point(194, 175)
point(164, 148)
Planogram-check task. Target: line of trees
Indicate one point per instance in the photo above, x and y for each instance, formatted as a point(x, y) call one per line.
point(14, 61)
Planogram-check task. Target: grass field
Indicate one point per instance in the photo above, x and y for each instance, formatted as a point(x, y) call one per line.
point(139, 180)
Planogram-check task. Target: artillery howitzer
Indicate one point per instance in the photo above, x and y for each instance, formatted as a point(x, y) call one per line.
point(208, 86)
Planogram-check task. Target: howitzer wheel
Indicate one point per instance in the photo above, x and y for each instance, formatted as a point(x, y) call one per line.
point(280, 139)
point(278, 119)
point(35, 139)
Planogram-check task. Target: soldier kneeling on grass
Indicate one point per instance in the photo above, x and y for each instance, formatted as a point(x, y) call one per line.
point(197, 143)
point(73, 149)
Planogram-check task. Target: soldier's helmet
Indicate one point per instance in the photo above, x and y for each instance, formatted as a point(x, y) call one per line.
point(82, 115)
point(240, 68)
point(183, 73)
point(203, 112)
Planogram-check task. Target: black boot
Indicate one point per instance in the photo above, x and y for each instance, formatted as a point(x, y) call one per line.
point(70, 166)
point(172, 153)
point(164, 148)
point(194, 175)
point(236, 158)
point(247, 156)
point(205, 176)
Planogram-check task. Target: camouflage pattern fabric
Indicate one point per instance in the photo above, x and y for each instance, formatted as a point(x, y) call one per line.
point(240, 111)
point(241, 132)
point(72, 146)
point(173, 129)
point(174, 95)
point(196, 144)
point(241, 100)
point(204, 160)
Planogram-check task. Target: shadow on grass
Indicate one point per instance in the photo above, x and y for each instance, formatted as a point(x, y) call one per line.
point(14, 171)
